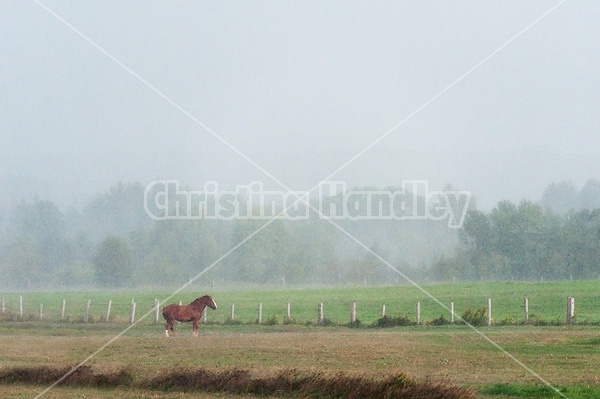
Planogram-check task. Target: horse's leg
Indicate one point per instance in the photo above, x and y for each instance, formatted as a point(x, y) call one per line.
point(168, 326)
point(195, 327)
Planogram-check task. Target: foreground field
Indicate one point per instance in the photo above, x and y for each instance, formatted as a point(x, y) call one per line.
point(508, 359)
point(565, 357)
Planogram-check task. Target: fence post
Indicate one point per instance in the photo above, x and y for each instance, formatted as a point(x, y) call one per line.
point(320, 314)
point(489, 309)
point(232, 312)
point(21, 306)
point(3, 304)
point(383, 311)
point(63, 308)
point(353, 313)
point(259, 313)
point(418, 312)
point(108, 309)
point(526, 310)
point(86, 316)
point(204, 316)
point(156, 308)
point(570, 310)
point(41, 311)
point(289, 312)
point(451, 312)
point(132, 316)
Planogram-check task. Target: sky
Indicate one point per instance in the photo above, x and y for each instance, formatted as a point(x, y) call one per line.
point(497, 98)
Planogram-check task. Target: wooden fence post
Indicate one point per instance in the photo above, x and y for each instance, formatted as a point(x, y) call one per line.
point(63, 308)
point(418, 312)
point(232, 312)
point(489, 309)
point(41, 311)
point(451, 312)
point(526, 310)
point(320, 313)
point(383, 311)
point(132, 316)
point(108, 309)
point(289, 312)
point(259, 313)
point(21, 306)
point(570, 310)
point(353, 313)
point(204, 316)
point(86, 316)
point(3, 304)
point(156, 308)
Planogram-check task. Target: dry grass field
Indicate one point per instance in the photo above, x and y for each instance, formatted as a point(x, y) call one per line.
point(565, 357)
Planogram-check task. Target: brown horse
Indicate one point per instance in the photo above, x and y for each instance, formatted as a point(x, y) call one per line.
point(191, 312)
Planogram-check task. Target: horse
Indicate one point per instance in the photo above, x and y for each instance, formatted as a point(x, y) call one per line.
point(191, 312)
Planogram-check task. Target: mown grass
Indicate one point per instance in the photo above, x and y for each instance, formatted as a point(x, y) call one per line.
point(547, 303)
point(561, 355)
point(565, 356)
point(539, 391)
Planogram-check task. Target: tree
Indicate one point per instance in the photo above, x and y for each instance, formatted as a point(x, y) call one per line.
point(35, 244)
point(589, 196)
point(560, 197)
point(112, 263)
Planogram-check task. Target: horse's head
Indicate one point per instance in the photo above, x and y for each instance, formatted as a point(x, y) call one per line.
point(210, 302)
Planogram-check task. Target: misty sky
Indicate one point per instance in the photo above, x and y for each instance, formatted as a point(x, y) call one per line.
point(300, 88)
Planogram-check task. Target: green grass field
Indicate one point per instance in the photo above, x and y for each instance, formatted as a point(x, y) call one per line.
point(565, 356)
point(547, 302)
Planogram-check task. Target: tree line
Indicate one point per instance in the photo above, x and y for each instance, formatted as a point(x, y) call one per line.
point(111, 242)
point(525, 241)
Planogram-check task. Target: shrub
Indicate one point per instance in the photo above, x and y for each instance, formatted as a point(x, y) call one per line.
point(232, 322)
point(292, 321)
point(474, 318)
point(272, 321)
point(326, 322)
point(355, 324)
point(509, 321)
point(387, 321)
point(440, 321)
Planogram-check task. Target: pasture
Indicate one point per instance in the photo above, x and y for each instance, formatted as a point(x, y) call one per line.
point(568, 357)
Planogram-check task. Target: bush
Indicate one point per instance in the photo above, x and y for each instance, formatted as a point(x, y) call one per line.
point(272, 321)
point(474, 318)
point(440, 321)
point(355, 324)
point(387, 321)
point(292, 321)
point(509, 321)
point(326, 322)
point(232, 322)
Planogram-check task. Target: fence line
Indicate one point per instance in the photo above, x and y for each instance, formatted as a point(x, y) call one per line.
point(320, 318)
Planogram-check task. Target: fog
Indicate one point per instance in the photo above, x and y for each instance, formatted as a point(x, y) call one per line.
point(97, 93)
point(496, 103)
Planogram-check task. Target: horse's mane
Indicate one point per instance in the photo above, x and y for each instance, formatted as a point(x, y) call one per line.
point(200, 301)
